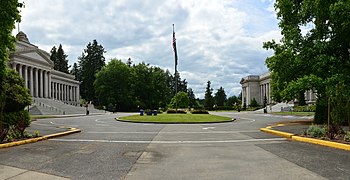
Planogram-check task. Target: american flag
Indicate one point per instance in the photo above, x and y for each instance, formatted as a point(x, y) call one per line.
point(174, 47)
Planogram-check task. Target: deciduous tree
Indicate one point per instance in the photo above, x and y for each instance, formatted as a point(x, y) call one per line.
point(316, 59)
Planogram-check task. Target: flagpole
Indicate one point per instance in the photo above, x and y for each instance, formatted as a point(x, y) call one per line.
point(174, 46)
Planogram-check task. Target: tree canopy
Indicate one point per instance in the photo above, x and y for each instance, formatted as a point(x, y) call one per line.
point(132, 87)
point(314, 51)
point(208, 97)
point(90, 62)
point(220, 97)
point(59, 59)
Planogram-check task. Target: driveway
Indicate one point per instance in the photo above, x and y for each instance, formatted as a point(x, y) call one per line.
point(107, 149)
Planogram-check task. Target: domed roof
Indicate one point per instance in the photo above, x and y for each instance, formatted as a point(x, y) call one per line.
point(21, 36)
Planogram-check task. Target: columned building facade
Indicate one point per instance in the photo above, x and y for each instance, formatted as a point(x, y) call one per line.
point(258, 87)
point(36, 68)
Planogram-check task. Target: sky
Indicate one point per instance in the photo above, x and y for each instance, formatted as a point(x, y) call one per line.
point(217, 40)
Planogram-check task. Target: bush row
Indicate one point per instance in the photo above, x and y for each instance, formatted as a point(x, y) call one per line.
point(309, 108)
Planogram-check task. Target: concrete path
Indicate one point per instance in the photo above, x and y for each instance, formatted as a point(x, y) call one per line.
point(12, 173)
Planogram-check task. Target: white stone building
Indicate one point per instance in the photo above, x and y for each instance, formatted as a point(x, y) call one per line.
point(254, 86)
point(36, 68)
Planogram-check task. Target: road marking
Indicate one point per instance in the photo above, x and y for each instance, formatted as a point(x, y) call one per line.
point(169, 142)
point(168, 132)
point(206, 128)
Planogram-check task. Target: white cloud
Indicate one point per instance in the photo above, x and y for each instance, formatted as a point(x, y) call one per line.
point(219, 40)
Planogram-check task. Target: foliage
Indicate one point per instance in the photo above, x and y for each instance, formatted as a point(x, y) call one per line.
point(173, 111)
point(199, 112)
point(148, 112)
point(134, 87)
point(59, 59)
point(310, 108)
point(75, 71)
point(317, 59)
point(220, 97)
point(182, 100)
point(112, 85)
point(316, 131)
point(233, 100)
point(347, 137)
point(192, 98)
point(208, 97)
point(253, 103)
point(9, 15)
point(17, 96)
point(19, 120)
point(90, 62)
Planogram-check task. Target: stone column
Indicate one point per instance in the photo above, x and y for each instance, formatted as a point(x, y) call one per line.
point(20, 70)
point(36, 83)
point(64, 92)
point(50, 86)
point(41, 83)
point(31, 81)
point(78, 94)
point(26, 76)
point(14, 67)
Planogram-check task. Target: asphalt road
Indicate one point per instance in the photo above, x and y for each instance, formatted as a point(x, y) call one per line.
point(107, 149)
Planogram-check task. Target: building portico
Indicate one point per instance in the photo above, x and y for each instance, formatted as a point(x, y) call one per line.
point(36, 68)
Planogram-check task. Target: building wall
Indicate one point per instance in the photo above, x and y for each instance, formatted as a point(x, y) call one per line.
point(254, 86)
point(36, 68)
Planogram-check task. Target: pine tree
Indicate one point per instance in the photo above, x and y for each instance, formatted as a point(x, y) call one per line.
point(220, 97)
point(90, 62)
point(53, 58)
point(192, 97)
point(208, 98)
point(75, 71)
point(62, 60)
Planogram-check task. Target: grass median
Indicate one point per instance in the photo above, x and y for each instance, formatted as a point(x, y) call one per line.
point(176, 118)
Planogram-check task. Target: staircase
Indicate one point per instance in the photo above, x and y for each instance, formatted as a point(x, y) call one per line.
point(43, 106)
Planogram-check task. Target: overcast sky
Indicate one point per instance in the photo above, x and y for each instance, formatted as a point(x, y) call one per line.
point(217, 40)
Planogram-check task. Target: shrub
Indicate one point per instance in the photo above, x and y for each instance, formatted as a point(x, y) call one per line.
point(17, 95)
point(312, 108)
point(148, 112)
point(347, 137)
point(173, 111)
point(253, 103)
point(199, 112)
point(18, 120)
point(316, 131)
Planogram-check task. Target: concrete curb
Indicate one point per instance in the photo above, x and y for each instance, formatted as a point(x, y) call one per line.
point(278, 133)
point(322, 142)
point(33, 140)
point(305, 139)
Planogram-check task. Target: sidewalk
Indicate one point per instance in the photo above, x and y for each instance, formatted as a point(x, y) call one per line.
point(12, 173)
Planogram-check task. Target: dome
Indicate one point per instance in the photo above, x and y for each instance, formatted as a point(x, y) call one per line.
point(21, 36)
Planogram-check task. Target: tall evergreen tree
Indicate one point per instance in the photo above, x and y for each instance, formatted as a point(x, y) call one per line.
point(59, 59)
point(220, 97)
point(208, 97)
point(53, 57)
point(75, 71)
point(62, 60)
point(91, 61)
point(191, 97)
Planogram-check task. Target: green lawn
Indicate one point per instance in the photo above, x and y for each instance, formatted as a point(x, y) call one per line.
point(176, 118)
point(295, 113)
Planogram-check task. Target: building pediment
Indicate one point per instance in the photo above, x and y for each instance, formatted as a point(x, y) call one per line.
point(32, 56)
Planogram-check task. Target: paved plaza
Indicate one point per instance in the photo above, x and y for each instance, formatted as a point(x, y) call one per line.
point(108, 149)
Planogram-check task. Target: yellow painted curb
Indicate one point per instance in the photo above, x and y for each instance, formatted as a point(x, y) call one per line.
point(278, 133)
point(322, 142)
point(33, 140)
